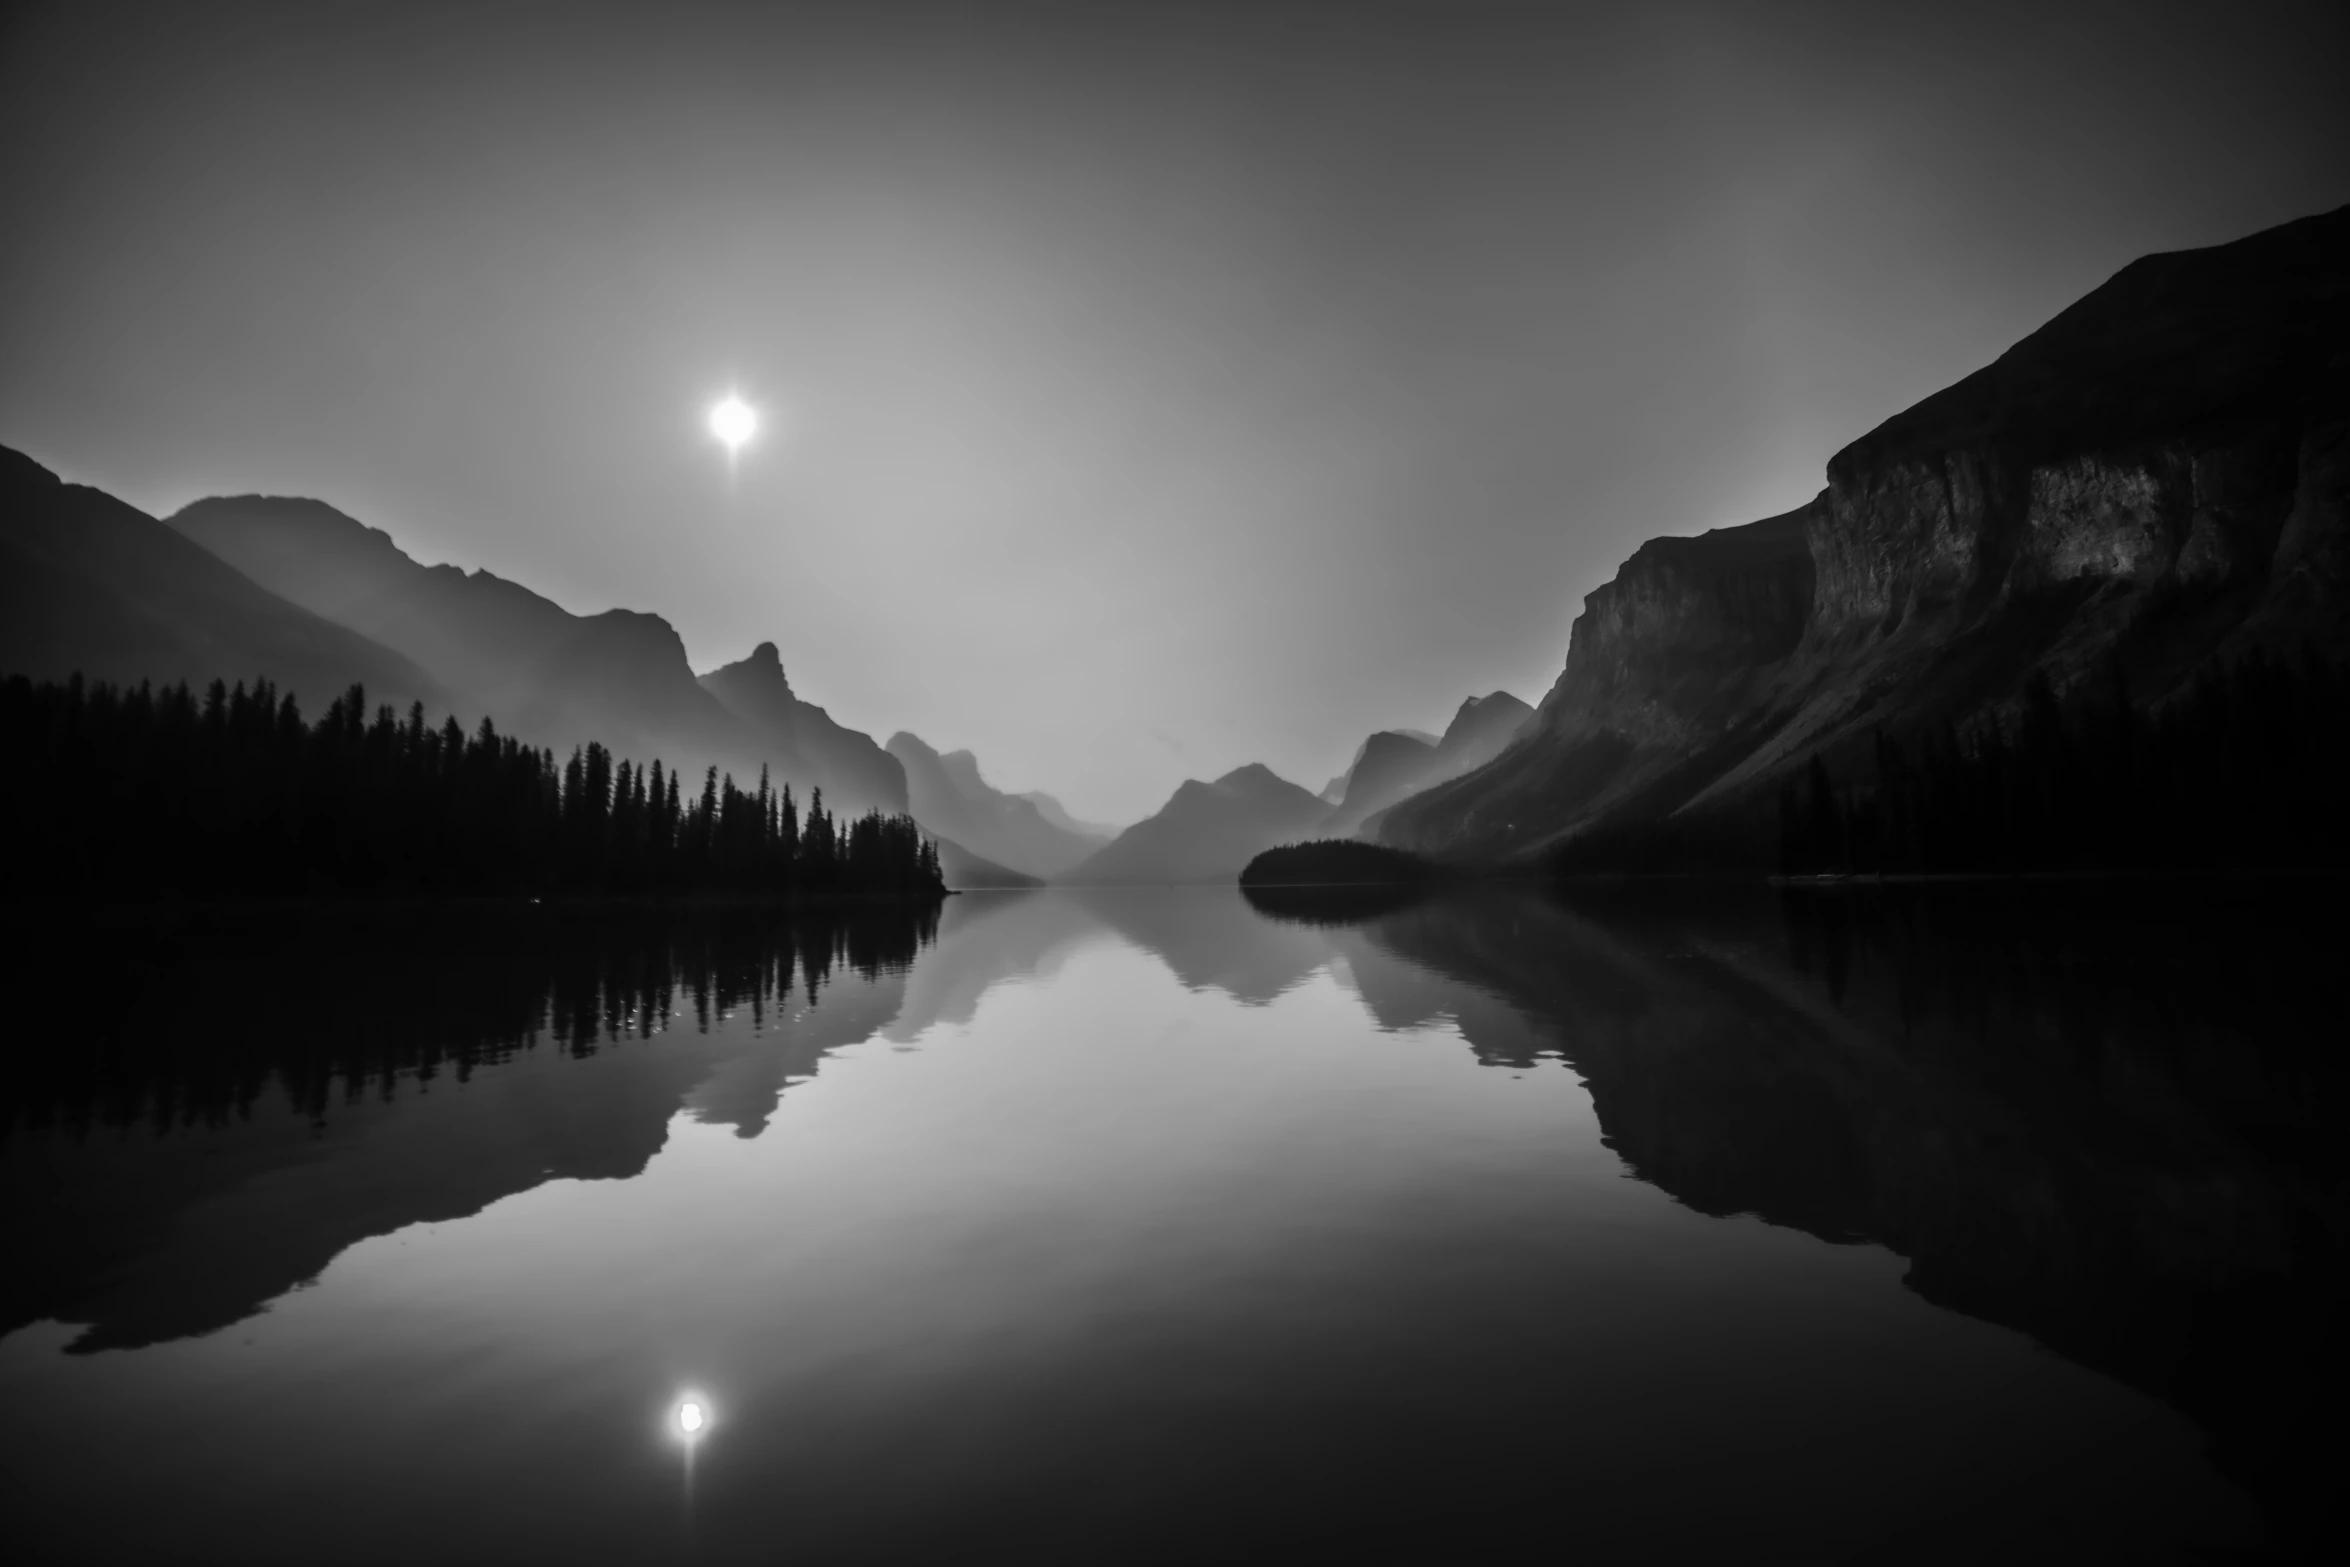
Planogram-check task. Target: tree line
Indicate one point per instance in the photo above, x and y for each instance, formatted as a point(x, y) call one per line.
point(132, 793)
point(2243, 770)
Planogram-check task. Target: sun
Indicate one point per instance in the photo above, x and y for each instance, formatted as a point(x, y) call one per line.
point(733, 422)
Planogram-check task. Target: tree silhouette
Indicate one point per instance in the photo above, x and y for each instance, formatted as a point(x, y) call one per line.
point(116, 793)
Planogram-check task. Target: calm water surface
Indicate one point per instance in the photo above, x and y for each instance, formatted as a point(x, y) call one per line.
point(1147, 1226)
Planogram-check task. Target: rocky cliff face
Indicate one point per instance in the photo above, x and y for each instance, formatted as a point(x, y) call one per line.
point(1665, 661)
point(2158, 477)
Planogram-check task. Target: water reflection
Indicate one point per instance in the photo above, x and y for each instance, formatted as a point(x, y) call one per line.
point(2109, 1118)
point(1076, 1263)
point(210, 1115)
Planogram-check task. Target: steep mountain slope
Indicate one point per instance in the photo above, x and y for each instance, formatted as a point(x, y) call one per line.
point(89, 583)
point(553, 677)
point(2158, 477)
point(1397, 763)
point(949, 796)
point(853, 772)
point(1387, 766)
point(556, 678)
point(1207, 831)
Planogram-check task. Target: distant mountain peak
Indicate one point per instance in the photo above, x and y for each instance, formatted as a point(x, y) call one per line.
point(1488, 706)
point(1249, 775)
point(766, 662)
point(1208, 831)
point(950, 797)
point(1058, 814)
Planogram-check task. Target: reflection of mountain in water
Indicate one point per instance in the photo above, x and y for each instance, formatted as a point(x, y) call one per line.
point(2111, 1127)
point(986, 939)
point(1206, 936)
point(254, 1102)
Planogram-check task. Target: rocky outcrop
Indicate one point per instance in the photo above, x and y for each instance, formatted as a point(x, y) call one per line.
point(816, 752)
point(2157, 478)
point(93, 586)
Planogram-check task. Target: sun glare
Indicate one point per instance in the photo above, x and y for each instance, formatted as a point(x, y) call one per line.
point(690, 1417)
point(733, 422)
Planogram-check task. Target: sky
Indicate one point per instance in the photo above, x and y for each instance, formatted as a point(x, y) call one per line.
point(1147, 390)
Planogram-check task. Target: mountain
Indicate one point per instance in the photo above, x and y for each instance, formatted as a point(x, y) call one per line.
point(2156, 480)
point(1397, 763)
point(949, 796)
point(552, 677)
point(1058, 814)
point(809, 746)
point(1387, 766)
point(1206, 831)
point(89, 583)
point(968, 872)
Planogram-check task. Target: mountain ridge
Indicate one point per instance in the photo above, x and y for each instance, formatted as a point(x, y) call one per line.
point(2157, 478)
point(1206, 832)
point(948, 795)
point(97, 587)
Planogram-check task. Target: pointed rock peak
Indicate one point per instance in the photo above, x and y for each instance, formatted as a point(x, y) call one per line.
point(765, 663)
point(1493, 705)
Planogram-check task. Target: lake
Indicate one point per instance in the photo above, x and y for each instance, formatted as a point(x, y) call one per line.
point(1619, 1226)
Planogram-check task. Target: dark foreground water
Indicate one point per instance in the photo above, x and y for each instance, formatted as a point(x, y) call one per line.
point(1146, 1227)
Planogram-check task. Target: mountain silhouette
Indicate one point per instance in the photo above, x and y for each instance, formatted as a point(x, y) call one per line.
point(843, 762)
point(549, 676)
point(1398, 763)
point(1206, 831)
point(92, 585)
point(2152, 484)
point(296, 591)
point(1919, 1069)
point(949, 797)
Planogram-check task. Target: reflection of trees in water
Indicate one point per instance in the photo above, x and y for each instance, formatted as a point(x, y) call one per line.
point(203, 1121)
point(195, 1026)
point(2109, 1119)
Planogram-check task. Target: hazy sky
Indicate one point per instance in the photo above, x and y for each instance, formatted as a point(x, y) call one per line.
point(1163, 393)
